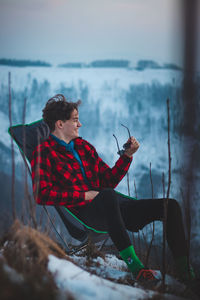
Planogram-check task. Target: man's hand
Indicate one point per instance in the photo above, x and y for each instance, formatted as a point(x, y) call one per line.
point(133, 146)
point(90, 195)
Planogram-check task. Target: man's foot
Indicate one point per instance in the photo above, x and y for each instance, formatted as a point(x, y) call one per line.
point(148, 276)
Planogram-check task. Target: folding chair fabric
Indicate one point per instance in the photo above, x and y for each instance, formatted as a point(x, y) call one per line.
point(28, 136)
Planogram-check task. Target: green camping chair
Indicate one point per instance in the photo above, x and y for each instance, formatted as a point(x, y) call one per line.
point(27, 137)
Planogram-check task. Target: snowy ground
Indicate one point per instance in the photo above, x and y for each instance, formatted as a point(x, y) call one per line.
point(89, 274)
point(84, 285)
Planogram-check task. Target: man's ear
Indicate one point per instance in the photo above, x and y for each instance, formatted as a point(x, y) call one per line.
point(59, 124)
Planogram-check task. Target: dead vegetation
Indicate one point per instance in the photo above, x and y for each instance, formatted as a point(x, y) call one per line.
point(90, 252)
point(26, 243)
point(23, 265)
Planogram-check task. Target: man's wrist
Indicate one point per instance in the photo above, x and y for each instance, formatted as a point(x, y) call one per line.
point(129, 155)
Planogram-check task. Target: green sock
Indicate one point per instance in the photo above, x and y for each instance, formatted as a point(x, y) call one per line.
point(131, 259)
point(181, 264)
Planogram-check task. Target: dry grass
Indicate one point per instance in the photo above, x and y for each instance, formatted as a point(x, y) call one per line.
point(26, 251)
point(91, 252)
point(27, 244)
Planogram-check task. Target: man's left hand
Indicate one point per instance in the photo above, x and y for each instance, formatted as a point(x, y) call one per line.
point(133, 146)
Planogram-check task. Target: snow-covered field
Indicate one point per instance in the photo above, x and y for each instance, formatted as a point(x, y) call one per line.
point(109, 97)
point(122, 78)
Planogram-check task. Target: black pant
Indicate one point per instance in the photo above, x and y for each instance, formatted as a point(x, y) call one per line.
point(115, 213)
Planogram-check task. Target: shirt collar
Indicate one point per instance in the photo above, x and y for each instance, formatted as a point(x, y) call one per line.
point(59, 144)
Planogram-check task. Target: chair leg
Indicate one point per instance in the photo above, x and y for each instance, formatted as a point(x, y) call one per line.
point(78, 248)
point(103, 243)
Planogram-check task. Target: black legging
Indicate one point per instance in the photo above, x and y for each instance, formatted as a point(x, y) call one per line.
point(114, 213)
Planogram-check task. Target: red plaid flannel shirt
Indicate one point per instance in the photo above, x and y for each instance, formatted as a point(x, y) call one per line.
point(57, 177)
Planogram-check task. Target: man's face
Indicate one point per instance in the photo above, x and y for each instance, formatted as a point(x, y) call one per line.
point(71, 126)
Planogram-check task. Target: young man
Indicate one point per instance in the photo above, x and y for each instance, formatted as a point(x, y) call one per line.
point(66, 170)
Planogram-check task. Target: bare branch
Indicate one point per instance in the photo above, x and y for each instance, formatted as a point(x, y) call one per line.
point(12, 150)
point(153, 229)
point(135, 188)
point(164, 235)
point(169, 151)
point(128, 185)
point(167, 198)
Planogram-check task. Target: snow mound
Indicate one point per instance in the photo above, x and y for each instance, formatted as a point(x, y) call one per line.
point(111, 267)
point(85, 286)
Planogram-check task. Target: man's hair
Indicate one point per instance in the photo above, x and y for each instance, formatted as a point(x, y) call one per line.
point(58, 108)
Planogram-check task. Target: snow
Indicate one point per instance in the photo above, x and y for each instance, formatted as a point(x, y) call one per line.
point(83, 285)
point(110, 267)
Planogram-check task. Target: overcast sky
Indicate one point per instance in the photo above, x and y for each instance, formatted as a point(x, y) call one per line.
point(84, 30)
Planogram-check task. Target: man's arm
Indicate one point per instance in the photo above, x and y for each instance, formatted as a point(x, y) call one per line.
point(110, 177)
point(45, 193)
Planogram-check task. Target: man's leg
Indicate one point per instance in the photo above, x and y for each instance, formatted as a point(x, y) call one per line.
point(141, 212)
point(103, 213)
point(138, 213)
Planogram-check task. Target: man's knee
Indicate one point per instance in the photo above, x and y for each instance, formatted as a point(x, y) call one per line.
point(173, 206)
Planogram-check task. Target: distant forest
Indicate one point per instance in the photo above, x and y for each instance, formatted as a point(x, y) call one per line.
point(108, 63)
point(23, 63)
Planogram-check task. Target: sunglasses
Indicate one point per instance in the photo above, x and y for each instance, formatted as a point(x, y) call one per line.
point(126, 145)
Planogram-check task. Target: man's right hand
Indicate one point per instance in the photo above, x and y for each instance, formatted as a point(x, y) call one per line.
point(133, 146)
point(90, 195)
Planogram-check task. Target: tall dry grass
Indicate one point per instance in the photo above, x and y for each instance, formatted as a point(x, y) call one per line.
point(23, 265)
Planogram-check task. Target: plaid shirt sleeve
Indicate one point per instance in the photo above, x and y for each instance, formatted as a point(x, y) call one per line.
point(45, 193)
point(110, 177)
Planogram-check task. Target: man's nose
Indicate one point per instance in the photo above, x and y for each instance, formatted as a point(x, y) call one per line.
point(79, 124)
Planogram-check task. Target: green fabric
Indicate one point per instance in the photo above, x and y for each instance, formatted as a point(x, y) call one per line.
point(24, 125)
point(183, 273)
point(125, 196)
point(131, 259)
